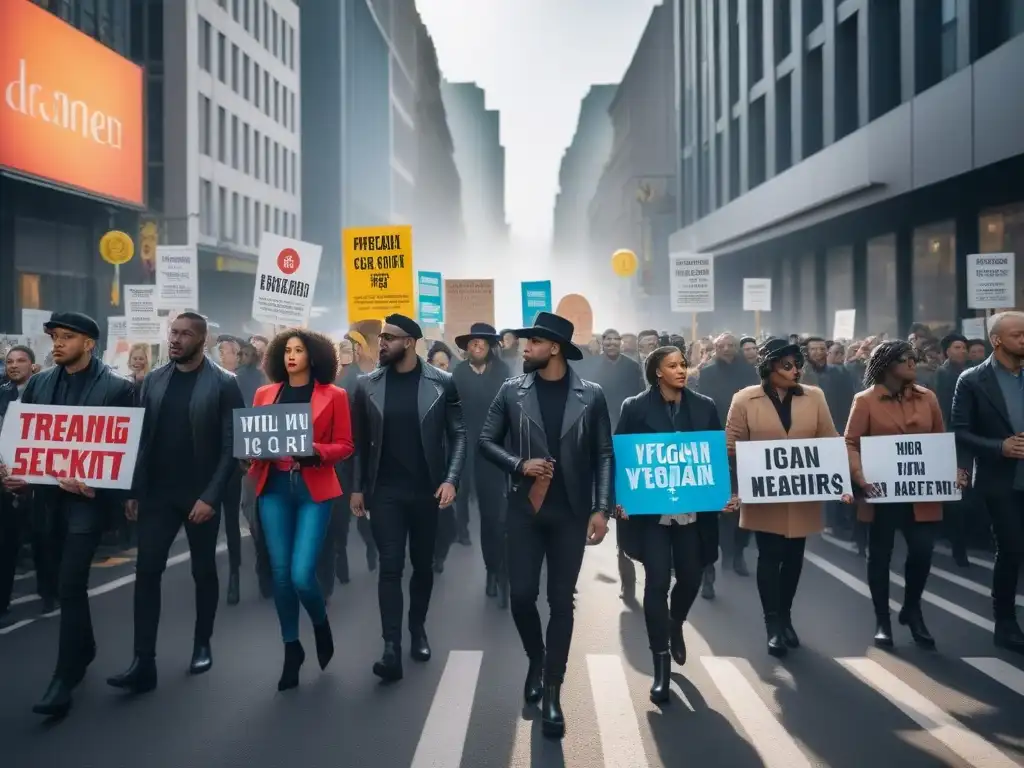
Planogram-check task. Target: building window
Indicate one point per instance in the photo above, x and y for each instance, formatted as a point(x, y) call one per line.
point(256, 84)
point(87, 17)
point(245, 148)
point(274, 30)
point(222, 135)
point(838, 283)
point(277, 165)
point(204, 125)
point(222, 213)
point(266, 93)
point(234, 68)
point(256, 154)
point(277, 221)
point(235, 142)
point(881, 278)
point(1002, 231)
point(246, 221)
point(934, 276)
point(236, 11)
point(256, 230)
point(266, 160)
point(204, 44)
point(256, 19)
point(205, 207)
point(948, 43)
point(222, 58)
point(235, 214)
point(808, 296)
point(266, 25)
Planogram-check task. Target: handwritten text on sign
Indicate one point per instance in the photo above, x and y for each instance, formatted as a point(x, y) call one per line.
point(777, 471)
point(671, 473)
point(908, 468)
point(273, 431)
point(41, 443)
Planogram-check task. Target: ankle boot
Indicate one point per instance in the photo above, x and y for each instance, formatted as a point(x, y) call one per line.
point(294, 656)
point(789, 635)
point(389, 668)
point(776, 643)
point(883, 632)
point(533, 688)
point(677, 644)
point(420, 650)
point(202, 659)
point(1008, 635)
point(913, 619)
point(56, 701)
point(662, 678)
point(324, 643)
point(552, 719)
point(140, 677)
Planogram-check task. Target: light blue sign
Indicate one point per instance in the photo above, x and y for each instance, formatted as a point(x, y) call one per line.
point(671, 473)
point(536, 299)
point(430, 285)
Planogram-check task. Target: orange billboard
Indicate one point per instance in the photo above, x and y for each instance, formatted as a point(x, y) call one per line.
point(70, 108)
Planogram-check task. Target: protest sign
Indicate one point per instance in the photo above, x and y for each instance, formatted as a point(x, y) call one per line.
point(909, 468)
point(285, 280)
point(379, 277)
point(790, 471)
point(536, 299)
point(431, 308)
point(273, 431)
point(41, 443)
point(467, 302)
point(671, 473)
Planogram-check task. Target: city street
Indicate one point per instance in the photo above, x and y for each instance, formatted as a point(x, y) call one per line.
point(835, 702)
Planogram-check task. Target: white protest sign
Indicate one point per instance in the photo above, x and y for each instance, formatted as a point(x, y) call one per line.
point(757, 294)
point(789, 471)
point(973, 328)
point(98, 446)
point(909, 468)
point(691, 281)
point(140, 313)
point(990, 280)
point(843, 324)
point(285, 280)
point(177, 277)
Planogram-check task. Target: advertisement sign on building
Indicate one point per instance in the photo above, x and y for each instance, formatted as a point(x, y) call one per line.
point(379, 277)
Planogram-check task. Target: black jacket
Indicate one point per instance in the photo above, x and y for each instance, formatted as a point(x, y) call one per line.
point(647, 413)
point(442, 430)
point(981, 423)
point(586, 446)
point(945, 385)
point(8, 395)
point(720, 380)
point(211, 420)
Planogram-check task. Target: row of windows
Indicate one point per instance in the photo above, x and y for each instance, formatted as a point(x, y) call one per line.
point(246, 77)
point(243, 220)
point(104, 20)
point(266, 26)
point(245, 149)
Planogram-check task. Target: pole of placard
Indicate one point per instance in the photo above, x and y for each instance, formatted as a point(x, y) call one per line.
point(693, 327)
point(757, 324)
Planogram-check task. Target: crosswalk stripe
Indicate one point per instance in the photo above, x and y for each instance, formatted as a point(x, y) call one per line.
point(616, 718)
point(443, 738)
point(968, 746)
point(775, 746)
point(978, 561)
point(1000, 671)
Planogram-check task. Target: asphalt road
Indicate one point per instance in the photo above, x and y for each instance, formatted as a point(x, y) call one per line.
point(835, 702)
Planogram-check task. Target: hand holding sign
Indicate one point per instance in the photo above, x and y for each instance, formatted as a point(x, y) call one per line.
point(76, 487)
point(12, 484)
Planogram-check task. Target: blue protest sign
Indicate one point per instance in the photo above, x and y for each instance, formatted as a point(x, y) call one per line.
point(536, 299)
point(431, 312)
point(671, 473)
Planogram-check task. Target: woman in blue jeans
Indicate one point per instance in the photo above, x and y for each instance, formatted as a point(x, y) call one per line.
point(295, 492)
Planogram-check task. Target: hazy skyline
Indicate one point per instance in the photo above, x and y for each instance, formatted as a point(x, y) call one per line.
point(535, 59)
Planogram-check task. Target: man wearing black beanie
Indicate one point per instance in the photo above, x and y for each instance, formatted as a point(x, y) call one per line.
point(410, 448)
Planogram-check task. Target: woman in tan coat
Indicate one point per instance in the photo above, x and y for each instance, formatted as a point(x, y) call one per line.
point(894, 404)
point(779, 408)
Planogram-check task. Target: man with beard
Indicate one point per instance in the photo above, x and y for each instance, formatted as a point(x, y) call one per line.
point(478, 379)
point(184, 466)
point(559, 456)
point(75, 515)
point(410, 448)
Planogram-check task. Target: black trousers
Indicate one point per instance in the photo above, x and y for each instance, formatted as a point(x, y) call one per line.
point(16, 523)
point(231, 507)
point(779, 563)
point(159, 523)
point(77, 642)
point(1006, 511)
point(666, 547)
point(333, 562)
point(560, 537)
point(732, 539)
point(399, 517)
point(920, 540)
point(454, 521)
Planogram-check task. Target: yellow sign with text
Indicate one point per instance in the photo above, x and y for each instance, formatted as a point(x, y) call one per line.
point(379, 276)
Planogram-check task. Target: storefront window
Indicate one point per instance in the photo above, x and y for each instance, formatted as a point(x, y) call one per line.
point(881, 278)
point(1001, 230)
point(934, 276)
point(838, 282)
point(807, 316)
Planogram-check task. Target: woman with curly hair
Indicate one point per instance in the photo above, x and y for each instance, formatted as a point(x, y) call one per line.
point(295, 493)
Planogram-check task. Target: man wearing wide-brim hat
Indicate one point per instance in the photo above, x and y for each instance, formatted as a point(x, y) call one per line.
point(479, 378)
point(559, 456)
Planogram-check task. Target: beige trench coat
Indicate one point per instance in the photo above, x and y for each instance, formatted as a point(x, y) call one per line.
point(752, 416)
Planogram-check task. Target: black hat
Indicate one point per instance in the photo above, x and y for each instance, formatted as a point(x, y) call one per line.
point(553, 328)
point(73, 321)
point(478, 331)
point(776, 349)
point(407, 324)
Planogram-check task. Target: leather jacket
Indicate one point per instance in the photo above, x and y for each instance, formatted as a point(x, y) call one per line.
point(211, 420)
point(442, 430)
point(586, 448)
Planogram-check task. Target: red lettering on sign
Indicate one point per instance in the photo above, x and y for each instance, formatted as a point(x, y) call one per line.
point(75, 428)
point(77, 463)
point(26, 424)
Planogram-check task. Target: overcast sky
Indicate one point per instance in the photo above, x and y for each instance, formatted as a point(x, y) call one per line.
point(535, 59)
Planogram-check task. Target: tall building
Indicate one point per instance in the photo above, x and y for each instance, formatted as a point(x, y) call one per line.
point(582, 164)
point(480, 159)
point(71, 154)
point(224, 150)
point(854, 152)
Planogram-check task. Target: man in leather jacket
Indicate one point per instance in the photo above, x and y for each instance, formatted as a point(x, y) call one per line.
point(183, 469)
point(74, 516)
point(560, 462)
point(410, 448)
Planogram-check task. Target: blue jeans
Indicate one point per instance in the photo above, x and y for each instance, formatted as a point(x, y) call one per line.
point(294, 528)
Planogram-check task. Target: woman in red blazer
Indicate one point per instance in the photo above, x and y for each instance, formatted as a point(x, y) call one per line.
point(295, 493)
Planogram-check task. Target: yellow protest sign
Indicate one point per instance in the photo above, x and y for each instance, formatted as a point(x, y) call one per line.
point(379, 276)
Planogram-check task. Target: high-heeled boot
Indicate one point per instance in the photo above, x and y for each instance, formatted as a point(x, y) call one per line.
point(324, 643)
point(552, 720)
point(662, 678)
point(294, 656)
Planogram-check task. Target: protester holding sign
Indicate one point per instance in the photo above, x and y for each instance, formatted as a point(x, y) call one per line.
point(780, 409)
point(894, 404)
point(296, 492)
point(686, 542)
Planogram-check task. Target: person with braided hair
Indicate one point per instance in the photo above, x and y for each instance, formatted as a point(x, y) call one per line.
point(895, 404)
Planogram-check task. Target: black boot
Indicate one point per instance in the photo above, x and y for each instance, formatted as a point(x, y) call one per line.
point(533, 688)
point(1008, 635)
point(676, 643)
point(883, 632)
point(389, 668)
point(776, 643)
point(420, 646)
point(913, 620)
point(294, 656)
point(324, 643)
point(140, 677)
point(233, 595)
point(202, 659)
point(491, 589)
point(552, 720)
point(56, 701)
point(662, 678)
point(789, 635)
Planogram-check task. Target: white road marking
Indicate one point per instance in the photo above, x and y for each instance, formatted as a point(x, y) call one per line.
point(443, 738)
point(1004, 674)
point(617, 725)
